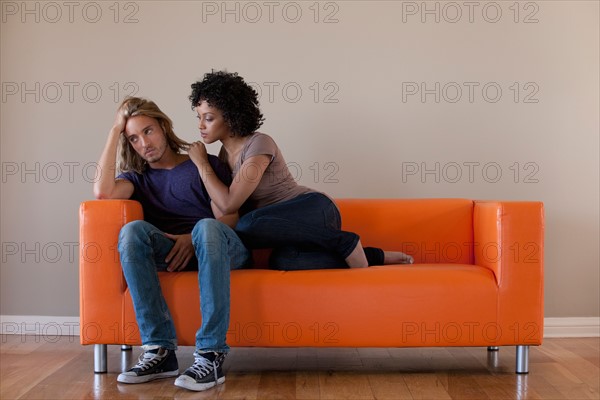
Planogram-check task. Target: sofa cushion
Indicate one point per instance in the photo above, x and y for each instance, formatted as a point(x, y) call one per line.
point(431, 230)
point(418, 305)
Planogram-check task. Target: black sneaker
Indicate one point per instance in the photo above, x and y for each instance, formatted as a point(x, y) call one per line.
point(204, 374)
point(152, 364)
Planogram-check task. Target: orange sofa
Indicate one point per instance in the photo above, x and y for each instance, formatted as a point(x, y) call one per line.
point(477, 280)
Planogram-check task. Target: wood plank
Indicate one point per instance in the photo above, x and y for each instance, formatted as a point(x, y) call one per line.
point(307, 385)
point(571, 354)
point(280, 385)
point(60, 368)
point(241, 386)
point(462, 385)
point(26, 361)
point(389, 386)
point(425, 386)
point(336, 385)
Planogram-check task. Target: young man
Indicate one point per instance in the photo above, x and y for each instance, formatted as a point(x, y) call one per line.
point(179, 232)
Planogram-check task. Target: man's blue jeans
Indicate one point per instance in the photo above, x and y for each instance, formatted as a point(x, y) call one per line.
point(143, 248)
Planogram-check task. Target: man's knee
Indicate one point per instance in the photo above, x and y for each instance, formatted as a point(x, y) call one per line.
point(133, 238)
point(208, 229)
point(138, 245)
point(133, 230)
point(209, 235)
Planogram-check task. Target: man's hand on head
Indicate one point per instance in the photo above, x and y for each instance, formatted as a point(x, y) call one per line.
point(121, 119)
point(181, 253)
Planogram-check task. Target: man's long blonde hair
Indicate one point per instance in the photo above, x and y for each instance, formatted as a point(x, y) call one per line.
point(130, 160)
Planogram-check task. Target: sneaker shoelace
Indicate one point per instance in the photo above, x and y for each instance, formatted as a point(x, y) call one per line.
point(148, 360)
point(203, 366)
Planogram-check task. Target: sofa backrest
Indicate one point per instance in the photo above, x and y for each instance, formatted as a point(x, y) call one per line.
point(431, 230)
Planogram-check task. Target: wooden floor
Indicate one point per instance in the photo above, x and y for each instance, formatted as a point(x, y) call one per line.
point(60, 368)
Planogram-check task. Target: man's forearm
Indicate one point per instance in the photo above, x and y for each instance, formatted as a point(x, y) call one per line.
point(104, 186)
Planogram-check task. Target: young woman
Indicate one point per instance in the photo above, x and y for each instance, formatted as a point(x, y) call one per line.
point(301, 224)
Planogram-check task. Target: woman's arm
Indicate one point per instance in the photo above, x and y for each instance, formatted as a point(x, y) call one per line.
point(229, 199)
point(107, 187)
point(230, 220)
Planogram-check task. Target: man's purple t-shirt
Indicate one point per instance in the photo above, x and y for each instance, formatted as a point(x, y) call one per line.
point(174, 200)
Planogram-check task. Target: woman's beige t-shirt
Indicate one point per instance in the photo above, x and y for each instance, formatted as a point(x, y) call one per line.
point(277, 183)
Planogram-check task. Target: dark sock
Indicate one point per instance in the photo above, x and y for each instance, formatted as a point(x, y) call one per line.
point(375, 256)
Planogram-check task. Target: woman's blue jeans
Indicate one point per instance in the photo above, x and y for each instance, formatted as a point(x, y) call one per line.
point(143, 248)
point(304, 231)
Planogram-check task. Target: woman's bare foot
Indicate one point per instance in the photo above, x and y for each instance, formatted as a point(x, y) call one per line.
point(357, 258)
point(397, 257)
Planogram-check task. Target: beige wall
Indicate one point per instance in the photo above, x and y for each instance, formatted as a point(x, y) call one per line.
point(342, 86)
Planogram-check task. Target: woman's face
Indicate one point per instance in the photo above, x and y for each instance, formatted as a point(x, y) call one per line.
point(211, 123)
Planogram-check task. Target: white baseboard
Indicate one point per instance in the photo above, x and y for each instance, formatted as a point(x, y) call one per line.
point(50, 327)
point(39, 325)
point(571, 327)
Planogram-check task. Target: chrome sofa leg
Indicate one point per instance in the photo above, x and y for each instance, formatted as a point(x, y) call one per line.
point(100, 358)
point(522, 360)
point(125, 347)
point(493, 357)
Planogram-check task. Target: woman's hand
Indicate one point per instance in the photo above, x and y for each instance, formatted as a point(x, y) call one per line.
point(197, 153)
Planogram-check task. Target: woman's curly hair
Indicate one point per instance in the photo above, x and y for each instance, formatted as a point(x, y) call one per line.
point(236, 99)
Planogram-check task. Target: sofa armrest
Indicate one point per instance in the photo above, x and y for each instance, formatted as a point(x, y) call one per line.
point(509, 240)
point(101, 281)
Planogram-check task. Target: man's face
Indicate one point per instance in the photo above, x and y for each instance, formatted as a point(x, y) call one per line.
point(146, 137)
point(211, 123)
